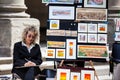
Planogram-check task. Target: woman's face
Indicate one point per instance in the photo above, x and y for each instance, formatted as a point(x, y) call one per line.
point(30, 37)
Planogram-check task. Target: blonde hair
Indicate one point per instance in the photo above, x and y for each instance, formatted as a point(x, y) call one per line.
point(32, 29)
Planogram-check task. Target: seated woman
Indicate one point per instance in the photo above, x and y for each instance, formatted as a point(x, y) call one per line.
point(27, 55)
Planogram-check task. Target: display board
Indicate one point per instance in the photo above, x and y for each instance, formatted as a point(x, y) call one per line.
point(77, 29)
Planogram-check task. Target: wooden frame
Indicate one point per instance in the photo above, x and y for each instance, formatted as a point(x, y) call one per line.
point(95, 3)
point(89, 14)
point(62, 12)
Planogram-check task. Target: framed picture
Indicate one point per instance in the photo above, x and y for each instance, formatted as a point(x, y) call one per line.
point(89, 14)
point(82, 37)
point(61, 1)
point(62, 12)
point(82, 27)
point(60, 53)
point(87, 75)
point(75, 76)
point(92, 38)
point(102, 28)
point(56, 44)
point(92, 51)
point(50, 53)
point(51, 32)
point(117, 24)
point(71, 49)
point(63, 74)
point(95, 3)
point(54, 24)
point(92, 28)
point(117, 36)
point(102, 38)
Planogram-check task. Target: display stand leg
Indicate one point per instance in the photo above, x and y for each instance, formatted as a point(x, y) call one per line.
point(91, 63)
point(61, 63)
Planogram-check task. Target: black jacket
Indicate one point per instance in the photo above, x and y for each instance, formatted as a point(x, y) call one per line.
point(20, 53)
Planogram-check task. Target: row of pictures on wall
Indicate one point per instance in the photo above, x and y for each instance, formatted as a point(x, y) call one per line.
point(76, 74)
point(67, 50)
point(92, 38)
point(92, 28)
point(84, 37)
point(82, 14)
point(87, 3)
point(83, 27)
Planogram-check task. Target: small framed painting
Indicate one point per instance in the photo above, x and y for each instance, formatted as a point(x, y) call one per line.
point(60, 53)
point(61, 12)
point(95, 3)
point(92, 38)
point(102, 38)
point(87, 75)
point(117, 24)
point(82, 27)
point(92, 28)
point(102, 28)
point(71, 49)
point(50, 53)
point(58, 32)
point(89, 14)
point(56, 44)
point(82, 37)
point(117, 36)
point(54, 24)
point(45, 1)
point(63, 74)
point(75, 76)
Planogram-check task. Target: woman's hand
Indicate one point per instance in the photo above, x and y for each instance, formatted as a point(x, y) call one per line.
point(29, 63)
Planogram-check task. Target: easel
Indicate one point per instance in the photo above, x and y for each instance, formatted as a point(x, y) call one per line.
point(91, 64)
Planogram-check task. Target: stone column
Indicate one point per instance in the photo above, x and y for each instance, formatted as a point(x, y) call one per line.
point(13, 20)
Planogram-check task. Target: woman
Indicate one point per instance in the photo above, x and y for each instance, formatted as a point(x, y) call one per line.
point(27, 55)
